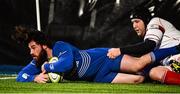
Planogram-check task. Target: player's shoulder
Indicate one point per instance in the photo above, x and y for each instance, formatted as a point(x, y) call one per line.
point(65, 45)
point(158, 20)
point(61, 43)
point(155, 20)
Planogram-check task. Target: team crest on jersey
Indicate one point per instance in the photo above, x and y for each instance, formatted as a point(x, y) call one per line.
point(51, 66)
point(25, 75)
point(61, 53)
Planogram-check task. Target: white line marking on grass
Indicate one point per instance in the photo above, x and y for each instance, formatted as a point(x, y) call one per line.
point(3, 78)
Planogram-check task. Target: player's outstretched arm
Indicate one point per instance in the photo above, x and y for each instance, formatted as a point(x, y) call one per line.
point(28, 73)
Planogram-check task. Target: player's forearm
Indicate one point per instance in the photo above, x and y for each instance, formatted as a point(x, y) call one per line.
point(27, 74)
point(139, 48)
point(24, 77)
point(63, 66)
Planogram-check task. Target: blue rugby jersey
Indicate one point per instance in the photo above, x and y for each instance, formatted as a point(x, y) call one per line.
point(88, 62)
point(28, 73)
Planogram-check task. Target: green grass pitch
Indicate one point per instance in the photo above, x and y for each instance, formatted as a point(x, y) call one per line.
point(11, 86)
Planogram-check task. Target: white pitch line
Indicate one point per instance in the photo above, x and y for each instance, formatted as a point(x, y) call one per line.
point(3, 78)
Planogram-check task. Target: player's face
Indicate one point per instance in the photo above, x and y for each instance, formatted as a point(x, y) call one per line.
point(139, 27)
point(36, 50)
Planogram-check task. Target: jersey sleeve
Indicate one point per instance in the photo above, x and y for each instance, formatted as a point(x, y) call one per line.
point(28, 73)
point(155, 30)
point(65, 58)
point(139, 49)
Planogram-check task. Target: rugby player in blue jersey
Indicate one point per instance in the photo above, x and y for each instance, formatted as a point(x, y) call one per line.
point(87, 65)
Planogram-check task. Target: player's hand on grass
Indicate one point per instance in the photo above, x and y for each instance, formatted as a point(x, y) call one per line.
point(41, 78)
point(113, 53)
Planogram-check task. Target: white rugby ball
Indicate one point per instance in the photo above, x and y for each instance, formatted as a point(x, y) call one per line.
point(54, 77)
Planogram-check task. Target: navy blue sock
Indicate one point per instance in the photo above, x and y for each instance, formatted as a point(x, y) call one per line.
point(145, 71)
point(160, 54)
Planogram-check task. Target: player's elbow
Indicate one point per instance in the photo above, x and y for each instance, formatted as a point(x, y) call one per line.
point(24, 77)
point(20, 79)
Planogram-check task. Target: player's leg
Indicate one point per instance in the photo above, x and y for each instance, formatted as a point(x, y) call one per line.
point(132, 65)
point(128, 78)
point(109, 73)
point(112, 77)
point(165, 75)
point(172, 78)
point(158, 73)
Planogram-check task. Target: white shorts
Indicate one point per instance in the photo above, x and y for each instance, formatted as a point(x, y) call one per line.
point(166, 61)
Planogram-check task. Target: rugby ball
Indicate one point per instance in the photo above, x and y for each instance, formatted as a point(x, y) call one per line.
point(55, 77)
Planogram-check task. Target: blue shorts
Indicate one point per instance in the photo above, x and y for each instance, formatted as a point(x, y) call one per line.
point(109, 70)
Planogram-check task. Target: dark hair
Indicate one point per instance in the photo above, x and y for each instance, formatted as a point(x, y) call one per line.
point(141, 13)
point(26, 35)
point(40, 38)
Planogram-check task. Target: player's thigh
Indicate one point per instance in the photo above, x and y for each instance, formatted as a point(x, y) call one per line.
point(128, 63)
point(132, 64)
point(128, 78)
point(105, 73)
point(158, 73)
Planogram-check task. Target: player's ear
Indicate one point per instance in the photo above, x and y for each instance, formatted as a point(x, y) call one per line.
point(44, 47)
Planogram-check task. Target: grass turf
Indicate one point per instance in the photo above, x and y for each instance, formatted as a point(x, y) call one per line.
point(11, 86)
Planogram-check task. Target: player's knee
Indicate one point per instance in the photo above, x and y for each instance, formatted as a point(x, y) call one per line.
point(152, 73)
point(157, 74)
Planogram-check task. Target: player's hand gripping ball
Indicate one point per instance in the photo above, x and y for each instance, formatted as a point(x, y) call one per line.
point(55, 77)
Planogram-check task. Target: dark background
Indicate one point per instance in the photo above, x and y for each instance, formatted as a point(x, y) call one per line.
point(112, 27)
